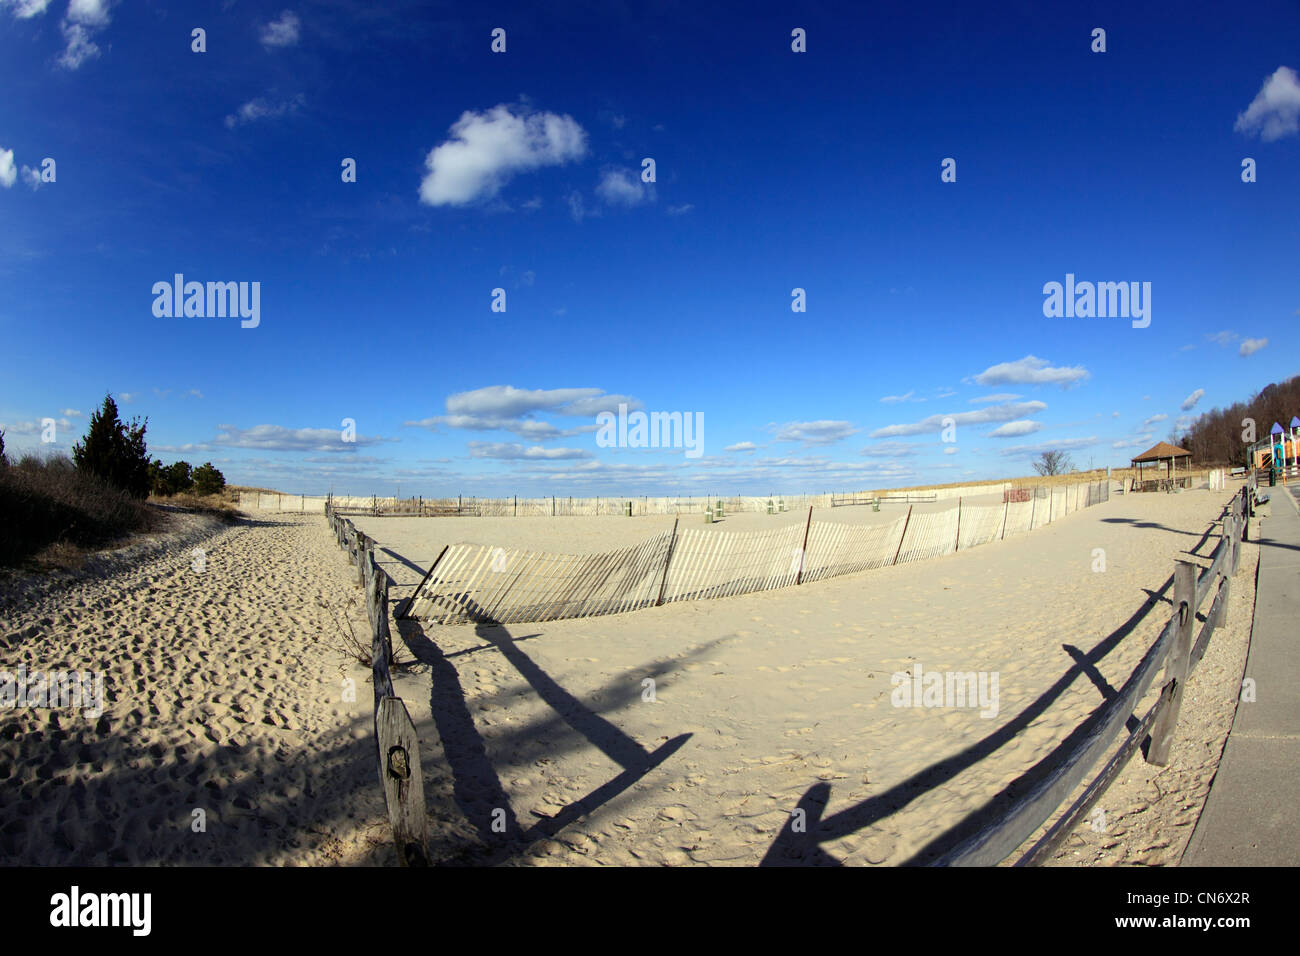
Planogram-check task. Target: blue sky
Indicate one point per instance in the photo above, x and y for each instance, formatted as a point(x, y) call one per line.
point(522, 171)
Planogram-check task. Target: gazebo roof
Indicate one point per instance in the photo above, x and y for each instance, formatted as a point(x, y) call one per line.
point(1161, 451)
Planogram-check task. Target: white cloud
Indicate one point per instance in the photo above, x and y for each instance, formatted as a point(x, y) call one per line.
point(935, 423)
point(506, 408)
point(32, 177)
point(822, 432)
point(1251, 346)
point(279, 438)
point(1014, 429)
point(282, 32)
point(950, 450)
point(742, 446)
point(680, 210)
point(8, 172)
point(26, 9)
point(261, 108)
point(1153, 419)
point(1031, 370)
point(1224, 338)
point(513, 451)
point(1190, 401)
point(486, 149)
point(1275, 110)
point(894, 399)
point(1068, 444)
point(70, 413)
point(890, 449)
point(83, 19)
point(619, 187)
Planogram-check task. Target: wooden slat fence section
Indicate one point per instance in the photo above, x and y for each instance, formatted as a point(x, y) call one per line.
point(929, 536)
point(835, 549)
point(980, 525)
point(480, 583)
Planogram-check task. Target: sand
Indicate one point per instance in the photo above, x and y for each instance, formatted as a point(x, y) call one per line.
point(221, 697)
point(542, 744)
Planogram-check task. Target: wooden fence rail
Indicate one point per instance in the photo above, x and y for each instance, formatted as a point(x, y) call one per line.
point(1173, 649)
point(396, 742)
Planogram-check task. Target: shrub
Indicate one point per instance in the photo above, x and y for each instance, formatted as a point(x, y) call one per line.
point(50, 504)
point(208, 480)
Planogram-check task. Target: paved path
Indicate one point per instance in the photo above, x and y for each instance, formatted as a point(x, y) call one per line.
point(1252, 815)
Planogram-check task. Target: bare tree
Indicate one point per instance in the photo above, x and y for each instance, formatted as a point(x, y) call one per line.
point(1053, 463)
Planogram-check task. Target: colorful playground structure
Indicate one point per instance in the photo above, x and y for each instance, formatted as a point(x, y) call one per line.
point(1279, 453)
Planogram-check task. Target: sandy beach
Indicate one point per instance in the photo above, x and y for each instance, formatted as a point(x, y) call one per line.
point(545, 744)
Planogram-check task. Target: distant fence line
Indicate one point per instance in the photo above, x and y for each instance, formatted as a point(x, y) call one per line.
point(567, 506)
point(485, 584)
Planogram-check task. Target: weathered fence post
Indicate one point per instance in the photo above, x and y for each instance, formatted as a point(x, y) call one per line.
point(1006, 506)
point(957, 546)
point(1162, 731)
point(803, 552)
point(903, 537)
point(663, 583)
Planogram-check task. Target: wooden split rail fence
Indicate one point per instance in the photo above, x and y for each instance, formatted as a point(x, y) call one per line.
point(396, 742)
point(1178, 649)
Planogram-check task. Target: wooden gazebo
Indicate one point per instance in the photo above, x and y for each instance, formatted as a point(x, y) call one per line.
point(1161, 453)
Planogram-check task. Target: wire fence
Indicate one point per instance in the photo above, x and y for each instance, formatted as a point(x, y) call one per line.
point(480, 583)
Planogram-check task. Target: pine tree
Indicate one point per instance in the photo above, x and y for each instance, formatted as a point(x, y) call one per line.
point(208, 480)
point(114, 451)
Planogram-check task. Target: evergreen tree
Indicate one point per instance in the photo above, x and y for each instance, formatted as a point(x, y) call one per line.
point(114, 451)
point(208, 480)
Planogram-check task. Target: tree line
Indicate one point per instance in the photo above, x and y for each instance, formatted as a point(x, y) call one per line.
point(1219, 437)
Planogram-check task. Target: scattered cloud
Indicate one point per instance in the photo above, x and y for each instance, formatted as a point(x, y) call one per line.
point(1223, 339)
point(506, 408)
point(1251, 346)
point(999, 397)
point(1068, 444)
point(485, 150)
point(935, 423)
point(32, 177)
point(1154, 419)
point(1190, 401)
point(893, 399)
point(1014, 429)
point(262, 108)
point(25, 9)
point(515, 451)
point(282, 32)
point(83, 20)
point(8, 174)
point(742, 446)
point(279, 438)
point(621, 187)
point(1275, 111)
point(812, 434)
point(1031, 370)
point(680, 210)
point(891, 449)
